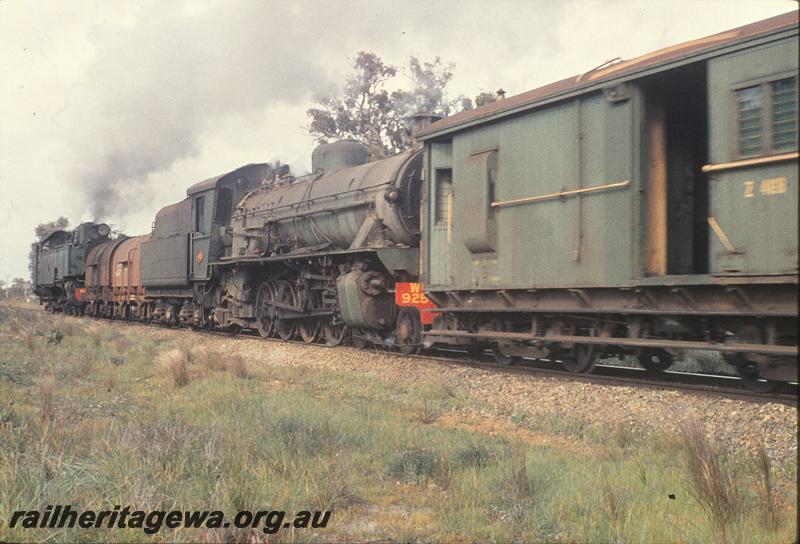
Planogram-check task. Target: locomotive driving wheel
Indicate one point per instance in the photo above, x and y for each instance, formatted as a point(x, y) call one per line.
point(265, 310)
point(310, 329)
point(284, 294)
point(334, 334)
point(409, 331)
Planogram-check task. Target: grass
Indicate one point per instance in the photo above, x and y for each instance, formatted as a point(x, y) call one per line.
point(110, 416)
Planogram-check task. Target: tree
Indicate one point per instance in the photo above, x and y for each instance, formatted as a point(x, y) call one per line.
point(44, 229)
point(369, 113)
point(481, 99)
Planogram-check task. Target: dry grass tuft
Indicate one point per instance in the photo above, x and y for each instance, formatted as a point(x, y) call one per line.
point(448, 388)
point(48, 410)
point(427, 414)
point(210, 359)
point(614, 504)
point(768, 508)
point(520, 483)
point(333, 491)
point(122, 343)
point(69, 327)
point(711, 483)
point(237, 365)
point(175, 363)
point(96, 334)
point(27, 336)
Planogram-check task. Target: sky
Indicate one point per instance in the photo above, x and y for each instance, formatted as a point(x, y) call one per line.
point(109, 110)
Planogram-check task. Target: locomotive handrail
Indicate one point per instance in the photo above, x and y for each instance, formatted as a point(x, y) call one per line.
point(334, 196)
point(561, 194)
point(708, 168)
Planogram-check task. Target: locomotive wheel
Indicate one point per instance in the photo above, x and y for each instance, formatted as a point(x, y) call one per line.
point(408, 331)
point(357, 336)
point(334, 335)
point(284, 294)
point(655, 360)
point(584, 357)
point(265, 313)
point(310, 330)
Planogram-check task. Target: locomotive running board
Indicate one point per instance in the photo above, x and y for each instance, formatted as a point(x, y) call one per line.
point(627, 342)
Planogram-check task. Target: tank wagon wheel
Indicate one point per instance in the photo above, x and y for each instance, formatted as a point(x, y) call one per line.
point(748, 370)
point(334, 335)
point(583, 359)
point(475, 352)
point(504, 360)
point(284, 294)
point(265, 313)
point(408, 331)
point(655, 359)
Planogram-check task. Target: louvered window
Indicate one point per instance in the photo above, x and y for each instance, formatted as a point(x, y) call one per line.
point(750, 126)
point(444, 195)
point(784, 114)
point(768, 118)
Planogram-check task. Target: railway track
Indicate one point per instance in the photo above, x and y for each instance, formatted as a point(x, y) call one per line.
point(701, 384)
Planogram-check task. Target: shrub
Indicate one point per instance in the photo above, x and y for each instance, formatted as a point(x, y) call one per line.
point(54, 337)
point(474, 456)
point(413, 465)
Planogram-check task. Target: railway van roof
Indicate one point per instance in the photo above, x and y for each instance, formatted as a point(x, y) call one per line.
point(601, 76)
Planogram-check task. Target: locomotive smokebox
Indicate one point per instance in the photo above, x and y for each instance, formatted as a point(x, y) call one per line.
point(337, 155)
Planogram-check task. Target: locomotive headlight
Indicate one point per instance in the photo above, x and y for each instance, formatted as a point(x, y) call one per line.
point(103, 229)
point(392, 195)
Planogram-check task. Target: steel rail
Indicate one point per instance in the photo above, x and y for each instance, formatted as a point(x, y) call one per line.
point(665, 380)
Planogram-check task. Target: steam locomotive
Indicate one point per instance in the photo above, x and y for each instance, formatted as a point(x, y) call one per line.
point(645, 207)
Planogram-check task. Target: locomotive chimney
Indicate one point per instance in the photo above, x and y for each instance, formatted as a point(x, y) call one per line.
point(501, 94)
point(417, 122)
